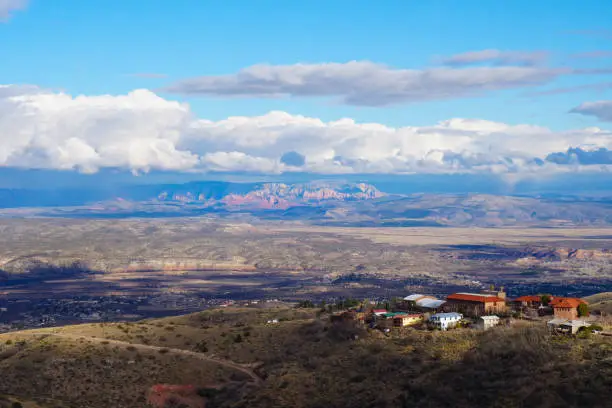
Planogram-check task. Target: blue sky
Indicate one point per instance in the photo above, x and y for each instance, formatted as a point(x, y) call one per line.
point(91, 46)
point(103, 47)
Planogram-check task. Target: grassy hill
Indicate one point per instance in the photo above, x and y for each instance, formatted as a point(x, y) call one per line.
point(601, 302)
point(237, 359)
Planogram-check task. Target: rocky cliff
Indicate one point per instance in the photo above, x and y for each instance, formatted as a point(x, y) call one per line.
point(280, 195)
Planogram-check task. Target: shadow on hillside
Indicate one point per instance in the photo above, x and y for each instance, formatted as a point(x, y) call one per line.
point(520, 368)
point(322, 365)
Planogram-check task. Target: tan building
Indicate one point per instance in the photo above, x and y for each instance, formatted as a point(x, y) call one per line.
point(407, 319)
point(475, 304)
point(566, 308)
point(500, 293)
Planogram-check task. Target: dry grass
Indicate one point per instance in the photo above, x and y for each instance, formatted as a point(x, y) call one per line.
point(601, 303)
point(307, 362)
point(86, 374)
point(453, 236)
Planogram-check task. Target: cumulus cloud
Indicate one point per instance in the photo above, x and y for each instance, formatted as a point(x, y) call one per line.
point(586, 155)
point(293, 159)
point(9, 6)
point(54, 130)
point(497, 57)
point(365, 83)
point(141, 131)
point(602, 110)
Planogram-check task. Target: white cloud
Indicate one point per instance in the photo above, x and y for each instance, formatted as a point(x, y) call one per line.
point(141, 131)
point(8, 6)
point(365, 83)
point(239, 162)
point(497, 57)
point(55, 130)
point(602, 110)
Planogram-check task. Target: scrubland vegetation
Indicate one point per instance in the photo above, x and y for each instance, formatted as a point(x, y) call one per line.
point(305, 361)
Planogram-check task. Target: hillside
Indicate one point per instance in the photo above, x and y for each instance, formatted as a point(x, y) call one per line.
point(601, 302)
point(237, 359)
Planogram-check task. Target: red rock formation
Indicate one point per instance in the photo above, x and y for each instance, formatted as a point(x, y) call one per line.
point(164, 395)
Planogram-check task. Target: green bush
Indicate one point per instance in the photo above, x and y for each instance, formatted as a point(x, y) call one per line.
point(583, 310)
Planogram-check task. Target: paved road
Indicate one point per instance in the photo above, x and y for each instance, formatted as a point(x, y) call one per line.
point(200, 356)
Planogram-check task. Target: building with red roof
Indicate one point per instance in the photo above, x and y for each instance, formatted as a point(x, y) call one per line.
point(566, 308)
point(475, 304)
point(529, 301)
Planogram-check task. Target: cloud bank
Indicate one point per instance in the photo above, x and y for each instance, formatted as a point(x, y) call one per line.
point(365, 83)
point(8, 6)
point(142, 131)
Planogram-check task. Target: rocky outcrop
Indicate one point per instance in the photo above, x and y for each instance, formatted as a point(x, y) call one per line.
point(595, 254)
point(281, 195)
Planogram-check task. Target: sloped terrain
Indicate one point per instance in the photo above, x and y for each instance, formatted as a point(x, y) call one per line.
point(304, 361)
point(601, 302)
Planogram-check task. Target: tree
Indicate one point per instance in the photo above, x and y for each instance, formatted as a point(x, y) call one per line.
point(305, 304)
point(583, 310)
point(545, 299)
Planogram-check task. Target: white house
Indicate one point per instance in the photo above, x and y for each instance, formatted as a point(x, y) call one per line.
point(566, 326)
point(445, 321)
point(486, 322)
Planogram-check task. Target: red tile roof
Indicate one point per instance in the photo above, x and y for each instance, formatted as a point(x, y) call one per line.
point(379, 310)
point(473, 297)
point(566, 302)
point(529, 298)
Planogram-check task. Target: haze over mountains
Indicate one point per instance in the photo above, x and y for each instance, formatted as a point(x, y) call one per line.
point(321, 202)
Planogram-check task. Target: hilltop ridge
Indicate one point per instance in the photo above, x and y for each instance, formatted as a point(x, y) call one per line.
point(243, 360)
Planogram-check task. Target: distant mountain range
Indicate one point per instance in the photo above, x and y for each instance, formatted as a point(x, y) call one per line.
point(321, 203)
point(273, 195)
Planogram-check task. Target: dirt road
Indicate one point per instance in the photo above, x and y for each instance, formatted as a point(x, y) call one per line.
point(200, 356)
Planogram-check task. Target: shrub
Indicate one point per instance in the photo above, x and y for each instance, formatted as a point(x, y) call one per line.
point(305, 304)
point(201, 347)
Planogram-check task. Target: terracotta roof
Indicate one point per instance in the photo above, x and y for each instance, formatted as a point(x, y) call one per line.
point(566, 302)
point(529, 298)
point(474, 297)
point(379, 310)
